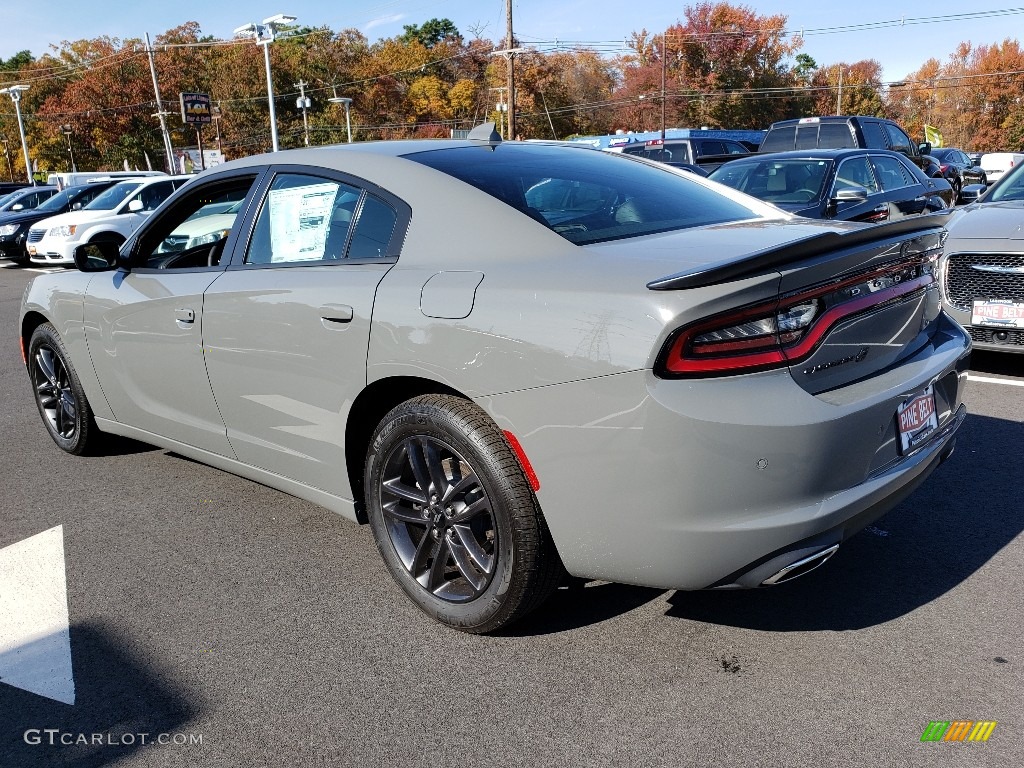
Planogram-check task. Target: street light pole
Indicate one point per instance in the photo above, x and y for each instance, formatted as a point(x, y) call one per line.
point(264, 34)
point(15, 91)
point(66, 130)
point(348, 103)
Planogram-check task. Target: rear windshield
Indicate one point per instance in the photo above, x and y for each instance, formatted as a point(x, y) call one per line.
point(779, 139)
point(585, 195)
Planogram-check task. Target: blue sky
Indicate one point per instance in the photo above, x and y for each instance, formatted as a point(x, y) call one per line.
point(834, 30)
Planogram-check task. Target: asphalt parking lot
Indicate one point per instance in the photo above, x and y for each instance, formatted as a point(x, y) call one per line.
point(216, 622)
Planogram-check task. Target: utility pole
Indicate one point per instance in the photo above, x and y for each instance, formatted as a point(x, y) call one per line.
point(839, 93)
point(511, 85)
point(303, 103)
point(664, 64)
point(168, 149)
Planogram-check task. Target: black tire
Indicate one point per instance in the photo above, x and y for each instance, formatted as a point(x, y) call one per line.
point(58, 392)
point(477, 555)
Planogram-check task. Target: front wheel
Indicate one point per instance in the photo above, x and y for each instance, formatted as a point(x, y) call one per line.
point(454, 517)
point(58, 393)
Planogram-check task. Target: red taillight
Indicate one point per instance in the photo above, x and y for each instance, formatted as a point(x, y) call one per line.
point(943, 168)
point(789, 329)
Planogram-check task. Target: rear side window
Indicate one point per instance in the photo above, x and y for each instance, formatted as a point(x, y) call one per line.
point(836, 136)
point(874, 135)
point(584, 195)
point(891, 172)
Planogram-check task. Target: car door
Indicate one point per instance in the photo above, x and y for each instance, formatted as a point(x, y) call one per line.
point(144, 327)
point(286, 328)
point(905, 193)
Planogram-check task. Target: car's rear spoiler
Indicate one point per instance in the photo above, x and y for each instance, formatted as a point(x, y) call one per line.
point(801, 250)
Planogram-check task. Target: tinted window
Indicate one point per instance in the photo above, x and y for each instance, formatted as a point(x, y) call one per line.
point(807, 136)
point(836, 136)
point(635, 198)
point(708, 147)
point(898, 140)
point(374, 228)
point(856, 172)
point(302, 219)
point(779, 139)
point(873, 135)
point(891, 172)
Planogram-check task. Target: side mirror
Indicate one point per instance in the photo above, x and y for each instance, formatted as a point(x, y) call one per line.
point(76, 206)
point(925, 149)
point(850, 195)
point(100, 256)
point(135, 205)
point(17, 207)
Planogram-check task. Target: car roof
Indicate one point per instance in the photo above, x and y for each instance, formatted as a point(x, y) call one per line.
point(820, 154)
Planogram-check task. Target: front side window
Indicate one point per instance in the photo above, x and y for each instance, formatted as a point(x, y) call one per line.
point(587, 196)
point(152, 195)
point(898, 140)
point(192, 233)
point(113, 196)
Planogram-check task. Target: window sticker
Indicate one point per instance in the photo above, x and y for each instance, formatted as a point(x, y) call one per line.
point(299, 219)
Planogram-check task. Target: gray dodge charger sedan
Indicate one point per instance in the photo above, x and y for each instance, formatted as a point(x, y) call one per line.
point(517, 361)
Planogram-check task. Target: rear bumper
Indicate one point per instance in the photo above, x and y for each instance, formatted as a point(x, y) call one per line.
point(690, 484)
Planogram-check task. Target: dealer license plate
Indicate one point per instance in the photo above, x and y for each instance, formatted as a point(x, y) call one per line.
point(917, 419)
point(1002, 314)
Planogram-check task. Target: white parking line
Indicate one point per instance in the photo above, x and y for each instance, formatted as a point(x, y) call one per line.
point(990, 380)
point(35, 642)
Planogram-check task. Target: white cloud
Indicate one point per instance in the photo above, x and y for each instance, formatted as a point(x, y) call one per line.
point(383, 20)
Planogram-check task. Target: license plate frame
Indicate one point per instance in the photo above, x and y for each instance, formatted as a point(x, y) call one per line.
point(917, 419)
point(997, 313)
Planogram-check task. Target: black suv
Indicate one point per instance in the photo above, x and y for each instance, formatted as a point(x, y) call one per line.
point(14, 225)
point(854, 131)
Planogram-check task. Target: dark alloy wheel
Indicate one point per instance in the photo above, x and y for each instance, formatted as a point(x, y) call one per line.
point(58, 392)
point(454, 517)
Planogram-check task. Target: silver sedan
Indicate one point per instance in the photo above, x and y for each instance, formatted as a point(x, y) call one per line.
point(517, 362)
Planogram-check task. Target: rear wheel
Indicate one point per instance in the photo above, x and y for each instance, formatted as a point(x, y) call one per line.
point(454, 516)
point(58, 392)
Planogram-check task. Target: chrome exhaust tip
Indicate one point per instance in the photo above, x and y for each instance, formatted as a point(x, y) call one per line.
point(801, 566)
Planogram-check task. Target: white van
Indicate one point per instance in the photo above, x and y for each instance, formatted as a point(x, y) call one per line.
point(995, 164)
point(64, 180)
